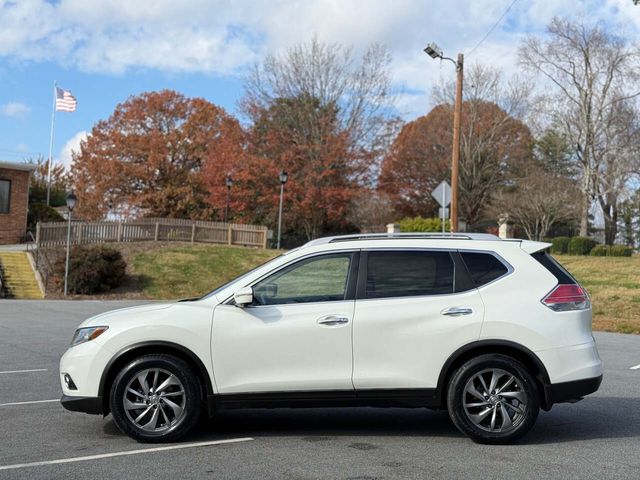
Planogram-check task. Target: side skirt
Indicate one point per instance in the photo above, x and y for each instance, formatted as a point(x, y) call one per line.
point(404, 398)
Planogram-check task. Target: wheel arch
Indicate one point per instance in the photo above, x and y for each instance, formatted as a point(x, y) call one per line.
point(130, 352)
point(504, 347)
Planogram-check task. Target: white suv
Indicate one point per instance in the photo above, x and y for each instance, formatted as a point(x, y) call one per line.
point(490, 330)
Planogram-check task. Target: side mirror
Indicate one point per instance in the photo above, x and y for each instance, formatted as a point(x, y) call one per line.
point(243, 297)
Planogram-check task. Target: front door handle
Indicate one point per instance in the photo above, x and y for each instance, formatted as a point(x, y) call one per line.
point(333, 320)
point(457, 311)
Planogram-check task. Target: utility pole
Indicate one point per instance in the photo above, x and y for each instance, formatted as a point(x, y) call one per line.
point(455, 153)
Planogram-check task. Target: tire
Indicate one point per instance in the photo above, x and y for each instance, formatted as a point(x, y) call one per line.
point(499, 418)
point(162, 413)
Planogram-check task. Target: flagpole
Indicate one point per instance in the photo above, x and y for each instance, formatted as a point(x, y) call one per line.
point(53, 124)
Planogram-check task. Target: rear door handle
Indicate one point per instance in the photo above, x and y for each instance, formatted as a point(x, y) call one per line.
point(333, 320)
point(457, 311)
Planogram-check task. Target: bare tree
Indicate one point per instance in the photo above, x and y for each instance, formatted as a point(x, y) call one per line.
point(330, 73)
point(540, 199)
point(371, 211)
point(593, 72)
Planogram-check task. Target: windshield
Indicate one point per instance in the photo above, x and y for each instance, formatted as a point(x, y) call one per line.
point(237, 279)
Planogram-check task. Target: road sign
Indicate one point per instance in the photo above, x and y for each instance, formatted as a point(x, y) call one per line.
point(442, 194)
point(443, 212)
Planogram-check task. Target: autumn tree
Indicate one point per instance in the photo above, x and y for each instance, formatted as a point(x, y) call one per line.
point(418, 160)
point(492, 142)
point(588, 73)
point(147, 157)
point(302, 137)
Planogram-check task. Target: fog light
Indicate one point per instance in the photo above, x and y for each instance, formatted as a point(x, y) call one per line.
point(68, 381)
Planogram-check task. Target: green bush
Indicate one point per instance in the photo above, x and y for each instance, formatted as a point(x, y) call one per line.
point(420, 224)
point(92, 269)
point(41, 212)
point(620, 251)
point(600, 251)
point(581, 245)
point(560, 245)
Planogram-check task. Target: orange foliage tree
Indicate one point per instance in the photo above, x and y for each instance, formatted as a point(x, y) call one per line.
point(146, 159)
point(493, 143)
point(302, 137)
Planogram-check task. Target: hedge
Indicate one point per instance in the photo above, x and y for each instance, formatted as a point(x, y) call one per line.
point(600, 251)
point(620, 251)
point(581, 245)
point(420, 224)
point(92, 269)
point(560, 245)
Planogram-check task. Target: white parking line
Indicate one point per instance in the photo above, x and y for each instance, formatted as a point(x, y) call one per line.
point(120, 454)
point(637, 367)
point(25, 371)
point(28, 403)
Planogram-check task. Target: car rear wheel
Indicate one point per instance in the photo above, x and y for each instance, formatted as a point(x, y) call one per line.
point(493, 399)
point(156, 398)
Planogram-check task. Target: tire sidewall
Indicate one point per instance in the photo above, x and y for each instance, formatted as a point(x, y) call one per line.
point(455, 396)
point(190, 383)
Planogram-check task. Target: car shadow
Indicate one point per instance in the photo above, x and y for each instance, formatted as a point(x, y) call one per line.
point(592, 419)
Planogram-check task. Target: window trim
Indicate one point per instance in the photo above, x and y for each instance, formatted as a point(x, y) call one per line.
point(361, 293)
point(352, 278)
point(510, 268)
point(8, 212)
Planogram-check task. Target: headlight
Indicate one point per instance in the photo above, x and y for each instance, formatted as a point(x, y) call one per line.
point(85, 334)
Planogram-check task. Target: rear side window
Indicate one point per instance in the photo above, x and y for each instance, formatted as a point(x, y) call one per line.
point(408, 273)
point(558, 271)
point(483, 267)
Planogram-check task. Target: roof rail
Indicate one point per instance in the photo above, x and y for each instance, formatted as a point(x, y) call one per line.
point(403, 236)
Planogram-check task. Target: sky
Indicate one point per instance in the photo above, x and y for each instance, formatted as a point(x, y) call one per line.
point(104, 51)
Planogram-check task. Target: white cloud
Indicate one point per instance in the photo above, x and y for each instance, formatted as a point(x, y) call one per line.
point(15, 110)
point(72, 145)
point(223, 37)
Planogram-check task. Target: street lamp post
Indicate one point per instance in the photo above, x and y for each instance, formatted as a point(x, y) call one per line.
point(436, 52)
point(283, 179)
point(229, 183)
point(71, 203)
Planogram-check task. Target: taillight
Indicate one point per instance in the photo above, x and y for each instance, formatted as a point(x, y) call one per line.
point(567, 297)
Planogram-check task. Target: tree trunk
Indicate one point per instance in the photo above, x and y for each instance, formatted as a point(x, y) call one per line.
point(584, 214)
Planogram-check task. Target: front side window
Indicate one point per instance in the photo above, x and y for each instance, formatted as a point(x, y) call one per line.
point(408, 273)
point(316, 279)
point(5, 195)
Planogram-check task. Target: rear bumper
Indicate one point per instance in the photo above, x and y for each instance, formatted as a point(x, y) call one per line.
point(92, 405)
point(570, 391)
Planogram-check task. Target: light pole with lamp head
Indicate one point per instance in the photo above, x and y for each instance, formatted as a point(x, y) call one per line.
point(229, 183)
point(434, 51)
point(283, 179)
point(71, 203)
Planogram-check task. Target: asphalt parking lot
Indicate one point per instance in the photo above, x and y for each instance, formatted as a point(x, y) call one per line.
point(596, 438)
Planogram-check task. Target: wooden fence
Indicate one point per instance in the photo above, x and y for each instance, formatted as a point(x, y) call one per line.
point(151, 229)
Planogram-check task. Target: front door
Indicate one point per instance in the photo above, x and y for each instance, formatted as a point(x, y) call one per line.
point(296, 336)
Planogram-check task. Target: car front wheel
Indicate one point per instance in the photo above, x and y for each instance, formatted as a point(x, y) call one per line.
point(493, 399)
point(155, 398)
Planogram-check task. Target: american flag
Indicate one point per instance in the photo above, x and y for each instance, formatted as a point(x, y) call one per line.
point(65, 102)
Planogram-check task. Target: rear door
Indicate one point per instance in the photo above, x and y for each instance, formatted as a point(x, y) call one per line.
point(413, 309)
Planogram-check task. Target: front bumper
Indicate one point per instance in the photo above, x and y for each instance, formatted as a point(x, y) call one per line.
point(91, 405)
point(570, 391)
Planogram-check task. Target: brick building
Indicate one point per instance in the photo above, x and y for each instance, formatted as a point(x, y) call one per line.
point(14, 200)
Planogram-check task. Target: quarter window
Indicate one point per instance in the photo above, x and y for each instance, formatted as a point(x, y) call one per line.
point(483, 267)
point(408, 273)
point(317, 279)
point(5, 195)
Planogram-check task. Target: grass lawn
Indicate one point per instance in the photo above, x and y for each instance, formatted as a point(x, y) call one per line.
point(191, 271)
point(184, 271)
point(614, 286)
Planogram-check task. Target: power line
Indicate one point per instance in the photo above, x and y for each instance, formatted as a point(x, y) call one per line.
point(493, 27)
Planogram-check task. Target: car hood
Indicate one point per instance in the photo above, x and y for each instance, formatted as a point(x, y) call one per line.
point(111, 316)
